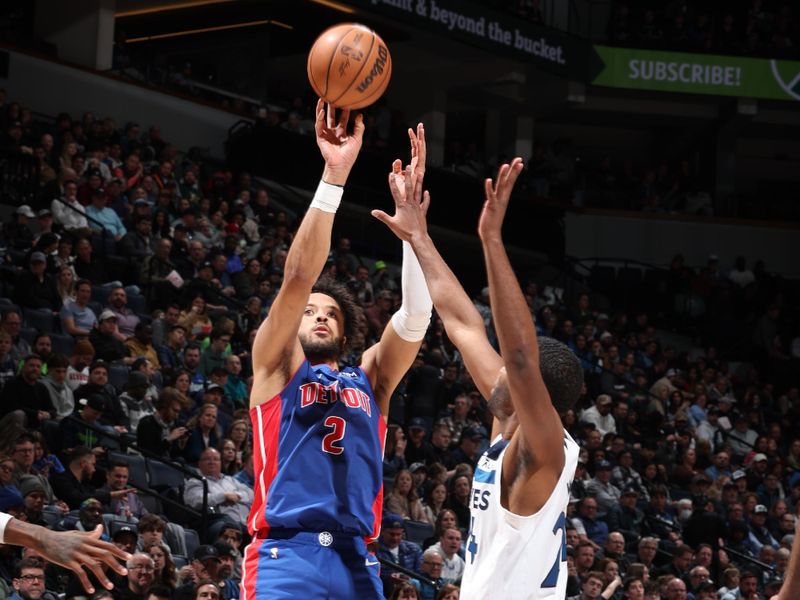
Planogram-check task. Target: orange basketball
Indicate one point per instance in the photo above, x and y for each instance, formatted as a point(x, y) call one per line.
point(349, 66)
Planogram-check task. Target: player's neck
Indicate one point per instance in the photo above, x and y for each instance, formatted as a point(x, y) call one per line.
point(331, 363)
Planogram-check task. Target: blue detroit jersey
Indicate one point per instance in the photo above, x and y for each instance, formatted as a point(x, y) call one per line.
point(317, 455)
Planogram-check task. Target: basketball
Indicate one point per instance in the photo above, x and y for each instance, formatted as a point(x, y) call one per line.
point(349, 66)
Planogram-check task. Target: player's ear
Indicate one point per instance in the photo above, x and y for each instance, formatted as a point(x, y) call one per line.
point(343, 343)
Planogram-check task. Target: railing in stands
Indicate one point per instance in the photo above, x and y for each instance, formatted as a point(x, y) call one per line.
point(401, 569)
point(124, 443)
point(19, 178)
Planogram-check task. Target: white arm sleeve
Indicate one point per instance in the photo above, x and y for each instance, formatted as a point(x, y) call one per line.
point(4, 519)
point(412, 320)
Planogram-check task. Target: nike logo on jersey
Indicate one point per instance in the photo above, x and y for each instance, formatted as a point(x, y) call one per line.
point(371, 563)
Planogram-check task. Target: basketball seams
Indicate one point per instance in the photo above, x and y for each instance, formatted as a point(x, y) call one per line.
point(330, 61)
point(367, 58)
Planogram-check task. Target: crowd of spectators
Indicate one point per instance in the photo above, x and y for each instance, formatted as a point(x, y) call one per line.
point(754, 28)
point(133, 284)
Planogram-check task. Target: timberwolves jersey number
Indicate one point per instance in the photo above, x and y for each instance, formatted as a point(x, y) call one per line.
point(511, 556)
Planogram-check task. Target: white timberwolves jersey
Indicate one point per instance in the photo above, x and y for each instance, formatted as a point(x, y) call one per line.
point(511, 556)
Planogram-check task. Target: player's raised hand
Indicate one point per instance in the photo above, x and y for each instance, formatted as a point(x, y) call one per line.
point(497, 197)
point(418, 157)
point(410, 205)
point(339, 149)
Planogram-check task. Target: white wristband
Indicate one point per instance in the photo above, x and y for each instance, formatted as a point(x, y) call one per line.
point(4, 519)
point(327, 197)
point(411, 328)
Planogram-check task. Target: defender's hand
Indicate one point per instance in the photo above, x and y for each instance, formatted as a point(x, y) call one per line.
point(419, 154)
point(497, 197)
point(410, 207)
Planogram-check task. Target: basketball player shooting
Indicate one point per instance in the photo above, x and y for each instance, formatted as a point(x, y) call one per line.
point(319, 429)
point(516, 547)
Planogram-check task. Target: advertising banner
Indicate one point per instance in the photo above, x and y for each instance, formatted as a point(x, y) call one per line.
point(495, 31)
point(659, 71)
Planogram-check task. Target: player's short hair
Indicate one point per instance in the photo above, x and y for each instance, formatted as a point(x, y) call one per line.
point(562, 373)
point(347, 304)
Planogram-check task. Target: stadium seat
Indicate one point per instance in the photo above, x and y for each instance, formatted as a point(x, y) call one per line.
point(100, 294)
point(417, 531)
point(40, 319)
point(62, 344)
point(137, 467)
point(118, 375)
point(28, 334)
point(162, 475)
point(192, 541)
point(52, 435)
point(137, 303)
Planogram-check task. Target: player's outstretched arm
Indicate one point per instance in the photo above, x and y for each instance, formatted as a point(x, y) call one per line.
point(388, 360)
point(542, 432)
point(460, 317)
point(70, 549)
point(790, 589)
point(276, 350)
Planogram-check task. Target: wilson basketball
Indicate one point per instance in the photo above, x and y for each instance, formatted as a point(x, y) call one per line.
point(349, 66)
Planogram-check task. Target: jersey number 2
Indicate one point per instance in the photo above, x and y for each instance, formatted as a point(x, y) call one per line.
point(551, 580)
point(338, 424)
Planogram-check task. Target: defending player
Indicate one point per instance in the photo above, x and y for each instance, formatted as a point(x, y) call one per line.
point(516, 547)
point(318, 430)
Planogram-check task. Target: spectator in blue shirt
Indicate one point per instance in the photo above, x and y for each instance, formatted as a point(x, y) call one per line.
point(77, 318)
point(392, 546)
point(596, 530)
point(108, 219)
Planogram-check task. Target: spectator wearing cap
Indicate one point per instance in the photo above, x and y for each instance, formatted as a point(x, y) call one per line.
point(739, 478)
point(600, 486)
point(626, 517)
point(227, 562)
point(69, 213)
point(757, 470)
point(77, 319)
point(34, 499)
point(26, 398)
point(230, 497)
point(204, 566)
point(134, 401)
point(596, 530)
point(759, 535)
point(78, 370)
point(17, 232)
point(127, 505)
point(74, 485)
point(79, 431)
point(127, 320)
point(140, 345)
point(600, 415)
point(467, 451)
point(125, 538)
point(105, 338)
point(61, 395)
point(34, 288)
point(392, 547)
point(138, 244)
point(102, 218)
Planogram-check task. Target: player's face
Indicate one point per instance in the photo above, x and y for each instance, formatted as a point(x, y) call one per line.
point(321, 328)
